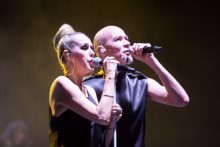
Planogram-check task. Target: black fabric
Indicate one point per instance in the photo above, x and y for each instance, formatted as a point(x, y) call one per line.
point(70, 129)
point(131, 94)
point(97, 135)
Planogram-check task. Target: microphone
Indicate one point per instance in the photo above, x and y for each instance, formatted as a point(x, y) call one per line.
point(98, 62)
point(151, 49)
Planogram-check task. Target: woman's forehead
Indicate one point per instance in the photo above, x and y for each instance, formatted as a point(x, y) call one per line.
point(81, 39)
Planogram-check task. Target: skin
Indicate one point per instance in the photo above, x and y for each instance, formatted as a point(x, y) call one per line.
point(67, 92)
point(115, 43)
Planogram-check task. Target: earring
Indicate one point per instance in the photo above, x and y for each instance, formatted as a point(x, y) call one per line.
point(73, 68)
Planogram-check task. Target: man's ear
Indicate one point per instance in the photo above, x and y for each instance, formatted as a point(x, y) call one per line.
point(101, 51)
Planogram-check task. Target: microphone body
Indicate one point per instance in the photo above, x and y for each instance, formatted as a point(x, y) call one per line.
point(151, 49)
point(98, 62)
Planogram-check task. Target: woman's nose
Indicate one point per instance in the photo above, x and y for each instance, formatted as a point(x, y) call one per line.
point(91, 53)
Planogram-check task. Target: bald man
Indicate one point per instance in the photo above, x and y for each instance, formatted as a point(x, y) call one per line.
point(133, 88)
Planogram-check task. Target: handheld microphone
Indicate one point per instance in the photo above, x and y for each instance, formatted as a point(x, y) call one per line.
point(98, 62)
point(151, 49)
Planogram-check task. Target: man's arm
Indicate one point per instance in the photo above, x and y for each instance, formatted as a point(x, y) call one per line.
point(170, 92)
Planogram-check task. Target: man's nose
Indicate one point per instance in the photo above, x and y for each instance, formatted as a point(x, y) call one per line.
point(127, 44)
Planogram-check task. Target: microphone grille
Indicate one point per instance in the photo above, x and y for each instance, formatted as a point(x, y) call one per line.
point(97, 62)
point(157, 48)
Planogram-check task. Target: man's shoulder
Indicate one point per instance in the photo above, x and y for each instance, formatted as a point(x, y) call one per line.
point(91, 78)
point(131, 75)
point(136, 75)
point(96, 82)
point(98, 75)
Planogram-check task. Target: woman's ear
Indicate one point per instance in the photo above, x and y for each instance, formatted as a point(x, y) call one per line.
point(66, 54)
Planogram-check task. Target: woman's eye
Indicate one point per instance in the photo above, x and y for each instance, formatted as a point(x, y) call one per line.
point(84, 47)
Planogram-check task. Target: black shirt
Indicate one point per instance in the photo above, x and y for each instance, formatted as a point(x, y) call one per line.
point(131, 95)
point(70, 129)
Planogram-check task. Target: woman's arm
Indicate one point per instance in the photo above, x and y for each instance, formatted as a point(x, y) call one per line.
point(110, 129)
point(64, 94)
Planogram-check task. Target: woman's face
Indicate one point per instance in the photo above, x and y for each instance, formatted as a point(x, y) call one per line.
point(82, 54)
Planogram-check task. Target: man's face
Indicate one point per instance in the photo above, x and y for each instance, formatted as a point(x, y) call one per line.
point(118, 45)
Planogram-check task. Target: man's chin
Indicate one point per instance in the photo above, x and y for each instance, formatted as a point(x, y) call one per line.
point(127, 60)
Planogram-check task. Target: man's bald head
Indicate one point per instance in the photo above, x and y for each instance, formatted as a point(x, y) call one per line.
point(112, 41)
point(103, 35)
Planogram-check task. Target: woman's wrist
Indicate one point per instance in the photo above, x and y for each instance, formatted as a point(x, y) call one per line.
point(108, 95)
point(110, 129)
point(112, 125)
point(110, 76)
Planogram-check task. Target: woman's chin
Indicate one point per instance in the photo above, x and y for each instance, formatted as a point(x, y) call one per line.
point(90, 70)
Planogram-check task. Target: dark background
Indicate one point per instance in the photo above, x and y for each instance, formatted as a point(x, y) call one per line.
point(187, 30)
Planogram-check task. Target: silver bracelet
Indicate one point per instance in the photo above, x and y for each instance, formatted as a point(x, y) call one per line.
point(108, 96)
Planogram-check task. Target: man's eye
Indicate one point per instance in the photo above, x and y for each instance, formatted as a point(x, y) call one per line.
point(117, 39)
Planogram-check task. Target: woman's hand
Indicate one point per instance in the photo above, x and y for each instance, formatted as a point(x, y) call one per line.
point(116, 112)
point(115, 115)
point(110, 66)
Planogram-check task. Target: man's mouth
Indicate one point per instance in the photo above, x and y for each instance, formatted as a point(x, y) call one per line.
point(127, 52)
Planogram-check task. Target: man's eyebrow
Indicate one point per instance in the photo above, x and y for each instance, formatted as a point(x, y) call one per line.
point(117, 37)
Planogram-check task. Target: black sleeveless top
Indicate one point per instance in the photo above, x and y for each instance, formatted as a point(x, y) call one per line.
point(131, 94)
point(70, 129)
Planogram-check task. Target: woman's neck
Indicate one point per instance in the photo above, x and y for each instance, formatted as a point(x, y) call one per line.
point(76, 79)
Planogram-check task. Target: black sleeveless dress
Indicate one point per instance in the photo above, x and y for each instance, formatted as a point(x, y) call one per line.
point(131, 94)
point(70, 129)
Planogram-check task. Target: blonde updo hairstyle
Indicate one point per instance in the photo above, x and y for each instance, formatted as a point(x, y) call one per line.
point(63, 41)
